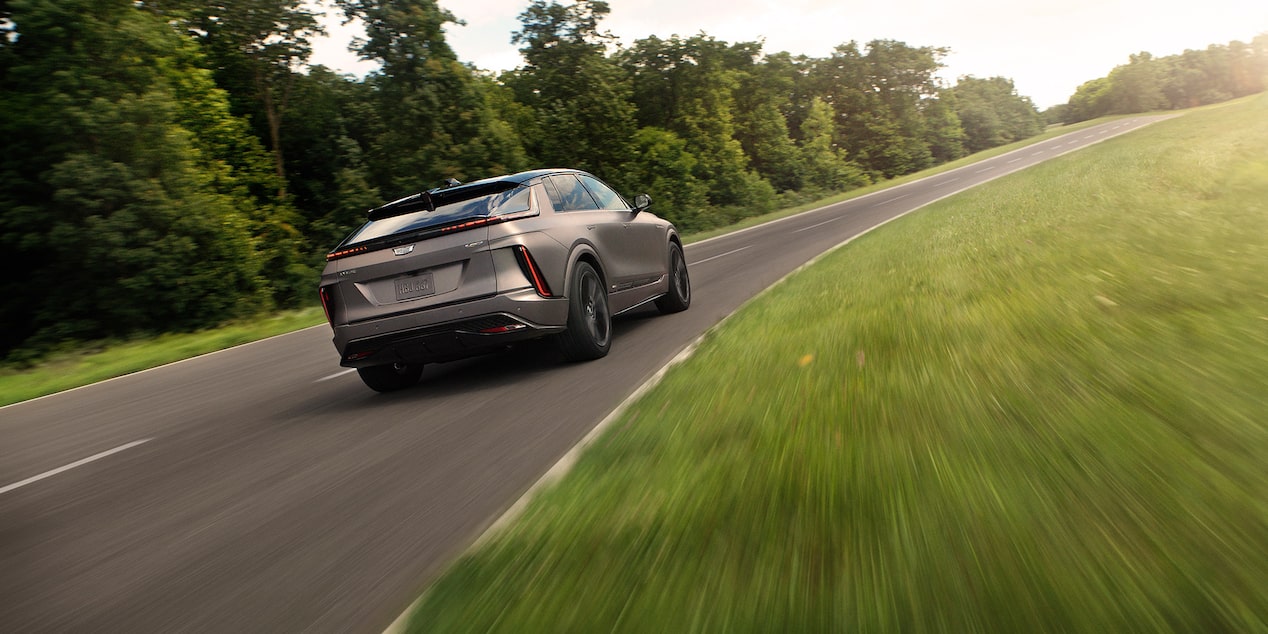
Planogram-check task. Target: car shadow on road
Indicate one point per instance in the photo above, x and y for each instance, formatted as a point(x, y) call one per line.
point(526, 361)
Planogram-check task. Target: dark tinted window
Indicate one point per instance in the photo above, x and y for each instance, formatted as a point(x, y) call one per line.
point(606, 197)
point(507, 202)
point(556, 200)
point(572, 196)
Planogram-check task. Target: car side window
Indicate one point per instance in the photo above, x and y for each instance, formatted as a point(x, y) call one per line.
point(572, 196)
point(606, 197)
point(552, 192)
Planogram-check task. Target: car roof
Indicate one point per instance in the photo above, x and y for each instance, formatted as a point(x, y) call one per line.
point(524, 177)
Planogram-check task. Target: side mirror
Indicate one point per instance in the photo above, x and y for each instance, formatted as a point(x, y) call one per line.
point(641, 202)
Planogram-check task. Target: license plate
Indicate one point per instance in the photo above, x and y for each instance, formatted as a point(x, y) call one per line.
point(414, 286)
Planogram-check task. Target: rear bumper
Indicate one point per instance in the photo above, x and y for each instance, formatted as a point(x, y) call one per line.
point(451, 332)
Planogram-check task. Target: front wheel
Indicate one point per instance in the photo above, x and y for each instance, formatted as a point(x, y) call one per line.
point(390, 378)
point(589, 333)
point(679, 296)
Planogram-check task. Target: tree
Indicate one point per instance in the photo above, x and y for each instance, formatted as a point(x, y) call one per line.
point(121, 217)
point(1136, 86)
point(435, 121)
point(762, 100)
point(826, 168)
point(1195, 77)
point(879, 100)
point(255, 46)
point(992, 113)
point(664, 168)
point(585, 117)
point(691, 84)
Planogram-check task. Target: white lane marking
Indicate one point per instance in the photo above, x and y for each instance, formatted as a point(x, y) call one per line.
point(722, 255)
point(818, 224)
point(77, 463)
point(1103, 132)
point(886, 202)
point(1036, 153)
point(984, 169)
point(950, 180)
point(1015, 160)
point(1073, 142)
point(336, 375)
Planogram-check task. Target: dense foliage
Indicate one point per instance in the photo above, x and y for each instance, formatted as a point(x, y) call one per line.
point(172, 164)
point(1192, 78)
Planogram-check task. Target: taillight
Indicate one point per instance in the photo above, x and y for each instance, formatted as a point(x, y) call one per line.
point(335, 255)
point(531, 271)
point(324, 292)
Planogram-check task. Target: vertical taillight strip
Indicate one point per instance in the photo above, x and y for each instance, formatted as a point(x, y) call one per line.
point(324, 292)
point(533, 273)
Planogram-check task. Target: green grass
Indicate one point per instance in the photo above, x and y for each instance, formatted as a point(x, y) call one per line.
point(110, 359)
point(1041, 405)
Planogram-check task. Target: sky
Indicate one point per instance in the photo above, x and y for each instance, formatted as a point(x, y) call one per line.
point(1047, 48)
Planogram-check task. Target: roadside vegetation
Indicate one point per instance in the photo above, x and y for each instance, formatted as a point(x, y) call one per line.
point(79, 364)
point(1035, 406)
point(1193, 78)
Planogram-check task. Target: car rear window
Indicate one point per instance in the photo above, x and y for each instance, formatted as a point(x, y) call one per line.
point(497, 204)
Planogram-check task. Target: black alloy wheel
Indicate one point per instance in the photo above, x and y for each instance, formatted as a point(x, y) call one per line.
point(589, 333)
point(679, 296)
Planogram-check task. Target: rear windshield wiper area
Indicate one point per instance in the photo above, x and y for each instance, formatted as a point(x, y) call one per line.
point(439, 211)
point(431, 199)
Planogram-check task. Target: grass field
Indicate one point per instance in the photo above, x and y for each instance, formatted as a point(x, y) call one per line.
point(1041, 405)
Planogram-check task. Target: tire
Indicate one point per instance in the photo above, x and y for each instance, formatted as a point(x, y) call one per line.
point(589, 333)
point(679, 296)
point(390, 378)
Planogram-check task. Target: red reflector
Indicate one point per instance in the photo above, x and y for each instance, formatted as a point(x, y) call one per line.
point(499, 329)
point(359, 355)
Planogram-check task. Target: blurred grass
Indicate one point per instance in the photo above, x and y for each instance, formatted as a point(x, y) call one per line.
point(1040, 405)
point(105, 360)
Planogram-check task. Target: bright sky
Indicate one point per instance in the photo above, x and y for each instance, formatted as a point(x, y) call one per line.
point(1047, 47)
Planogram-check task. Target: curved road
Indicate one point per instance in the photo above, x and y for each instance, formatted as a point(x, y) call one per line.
point(265, 489)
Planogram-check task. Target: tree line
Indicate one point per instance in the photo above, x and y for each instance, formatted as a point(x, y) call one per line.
point(1192, 78)
point(171, 164)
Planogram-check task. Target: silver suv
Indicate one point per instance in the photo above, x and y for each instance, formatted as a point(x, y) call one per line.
point(467, 269)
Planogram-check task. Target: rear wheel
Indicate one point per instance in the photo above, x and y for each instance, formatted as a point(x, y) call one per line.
point(390, 378)
point(679, 296)
point(589, 333)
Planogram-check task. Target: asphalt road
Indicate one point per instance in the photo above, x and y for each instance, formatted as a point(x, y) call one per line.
point(265, 489)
